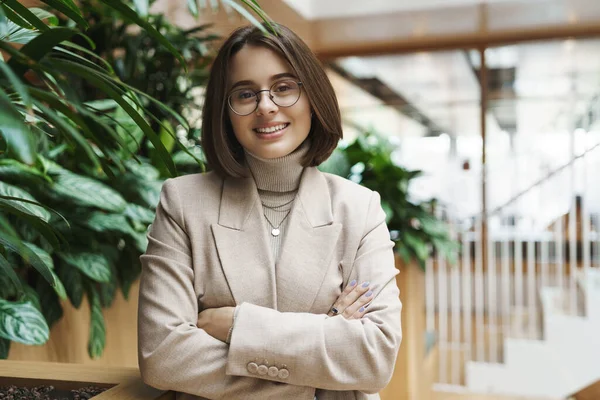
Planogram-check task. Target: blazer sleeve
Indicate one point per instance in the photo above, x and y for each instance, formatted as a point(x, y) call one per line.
point(173, 353)
point(331, 353)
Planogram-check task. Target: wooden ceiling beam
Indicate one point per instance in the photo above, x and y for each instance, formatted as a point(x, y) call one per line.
point(469, 40)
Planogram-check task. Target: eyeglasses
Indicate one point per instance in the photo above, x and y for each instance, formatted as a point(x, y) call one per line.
point(282, 93)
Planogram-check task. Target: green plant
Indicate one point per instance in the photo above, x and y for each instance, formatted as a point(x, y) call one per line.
point(83, 152)
point(413, 226)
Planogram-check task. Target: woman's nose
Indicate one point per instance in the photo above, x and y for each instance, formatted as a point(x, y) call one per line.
point(265, 104)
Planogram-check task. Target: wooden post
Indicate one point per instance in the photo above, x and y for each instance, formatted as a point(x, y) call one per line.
point(412, 378)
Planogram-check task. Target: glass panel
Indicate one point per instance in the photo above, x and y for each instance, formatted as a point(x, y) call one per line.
point(426, 103)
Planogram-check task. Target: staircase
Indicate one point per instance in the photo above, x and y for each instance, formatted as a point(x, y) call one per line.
point(566, 359)
point(519, 313)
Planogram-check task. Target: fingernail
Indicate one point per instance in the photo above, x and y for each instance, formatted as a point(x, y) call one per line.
point(353, 282)
point(369, 293)
point(365, 284)
point(362, 309)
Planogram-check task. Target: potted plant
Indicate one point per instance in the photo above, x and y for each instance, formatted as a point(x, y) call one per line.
point(418, 234)
point(84, 149)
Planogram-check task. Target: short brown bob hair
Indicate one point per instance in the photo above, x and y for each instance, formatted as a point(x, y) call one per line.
point(223, 151)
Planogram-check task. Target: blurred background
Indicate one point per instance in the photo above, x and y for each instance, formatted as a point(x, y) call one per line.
point(496, 102)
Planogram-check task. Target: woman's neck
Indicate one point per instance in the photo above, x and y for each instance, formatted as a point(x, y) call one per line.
point(278, 174)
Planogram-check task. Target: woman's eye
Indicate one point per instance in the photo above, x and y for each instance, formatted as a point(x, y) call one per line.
point(283, 87)
point(245, 94)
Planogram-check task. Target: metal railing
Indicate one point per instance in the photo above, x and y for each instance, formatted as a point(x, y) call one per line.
point(477, 303)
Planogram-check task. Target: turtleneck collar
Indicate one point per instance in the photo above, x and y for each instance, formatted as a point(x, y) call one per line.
point(278, 174)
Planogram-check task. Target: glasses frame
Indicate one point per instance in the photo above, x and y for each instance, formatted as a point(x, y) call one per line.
point(256, 94)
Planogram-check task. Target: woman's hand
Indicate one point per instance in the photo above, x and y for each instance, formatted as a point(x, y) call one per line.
point(216, 321)
point(352, 303)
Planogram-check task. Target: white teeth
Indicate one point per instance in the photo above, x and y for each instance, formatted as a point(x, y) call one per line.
point(271, 129)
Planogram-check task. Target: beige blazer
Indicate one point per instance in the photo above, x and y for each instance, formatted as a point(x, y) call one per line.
point(208, 247)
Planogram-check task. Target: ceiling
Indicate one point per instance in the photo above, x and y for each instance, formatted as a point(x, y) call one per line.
point(322, 9)
point(533, 88)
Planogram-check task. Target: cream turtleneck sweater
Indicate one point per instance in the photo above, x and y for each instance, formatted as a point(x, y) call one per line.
point(277, 181)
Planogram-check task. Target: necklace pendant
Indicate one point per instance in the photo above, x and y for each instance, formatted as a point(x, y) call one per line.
point(275, 232)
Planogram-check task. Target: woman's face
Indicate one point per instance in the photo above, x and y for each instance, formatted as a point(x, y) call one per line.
point(271, 131)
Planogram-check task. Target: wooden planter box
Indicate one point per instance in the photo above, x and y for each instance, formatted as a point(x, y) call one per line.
point(122, 383)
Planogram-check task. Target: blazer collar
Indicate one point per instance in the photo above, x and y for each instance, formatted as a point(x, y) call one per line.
point(239, 198)
point(242, 241)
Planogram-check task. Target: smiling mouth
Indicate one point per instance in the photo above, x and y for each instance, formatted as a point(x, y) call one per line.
point(272, 129)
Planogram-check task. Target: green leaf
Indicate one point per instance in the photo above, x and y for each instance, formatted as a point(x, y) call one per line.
point(94, 266)
point(26, 14)
point(69, 8)
point(246, 14)
point(4, 348)
point(336, 164)
point(40, 225)
point(418, 245)
point(15, 192)
point(103, 222)
point(16, 84)
point(88, 192)
point(141, 7)
point(40, 46)
point(108, 291)
point(59, 288)
point(61, 123)
point(130, 15)
point(112, 89)
point(15, 18)
point(8, 271)
point(28, 256)
point(82, 118)
point(7, 289)
point(43, 14)
point(14, 33)
point(183, 159)
point(140, 241)
point(127, 128)
point(253, 5)
point(31, 295)
point(23, 173)
point(42, 254)
point(97, 339)
point(143, 170)
point(193, 7)
point(4, 29)
point(6, 227)
point(139, 213)
point(15, 132)
point(51, 308)
point(130, 271)
point(93, 55)
point(22, 322)
point(73, 283)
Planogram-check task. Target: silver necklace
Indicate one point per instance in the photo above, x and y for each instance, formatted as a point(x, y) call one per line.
point(275, 231)
point(278, 206)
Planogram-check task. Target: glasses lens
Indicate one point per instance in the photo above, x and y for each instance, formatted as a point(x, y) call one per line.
point(242, 101)
point(285, 93)
point(282, 93)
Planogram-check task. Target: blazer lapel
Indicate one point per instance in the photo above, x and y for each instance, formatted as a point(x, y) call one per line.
point(308, 245)
point(242, 244)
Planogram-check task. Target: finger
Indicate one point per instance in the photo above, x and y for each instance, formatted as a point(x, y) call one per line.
point(345, 300)
point(354, 295)
point(349, 288)
point(345, 293)
point(360, 302)
point(360, 312)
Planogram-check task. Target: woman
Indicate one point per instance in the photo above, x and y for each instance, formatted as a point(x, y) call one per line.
point(241, 289)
